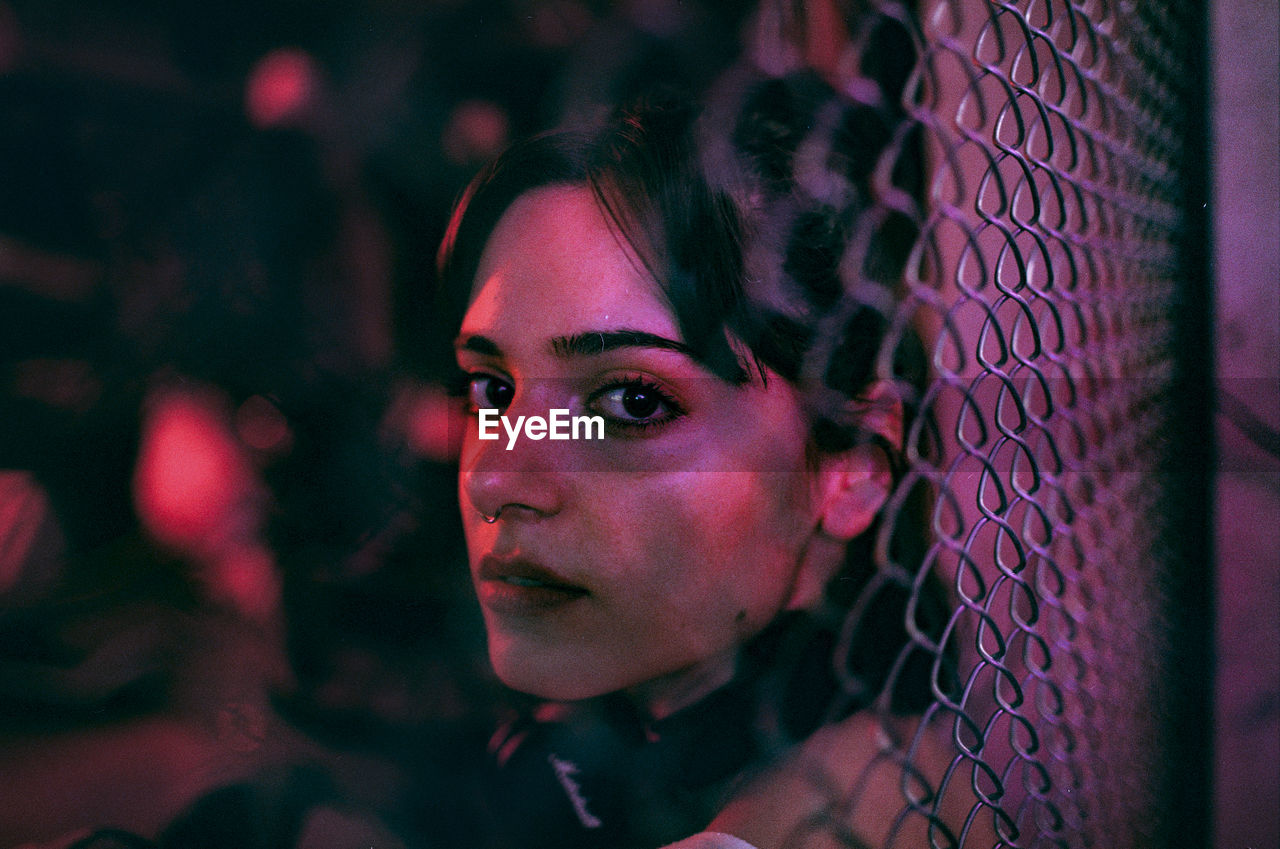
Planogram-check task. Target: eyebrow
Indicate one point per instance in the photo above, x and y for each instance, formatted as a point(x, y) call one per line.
point(595, 342)
point(477, 344)
point(586, 344)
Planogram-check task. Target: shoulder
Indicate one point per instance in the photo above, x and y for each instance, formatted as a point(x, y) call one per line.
point(870, 780)
point(711, 840)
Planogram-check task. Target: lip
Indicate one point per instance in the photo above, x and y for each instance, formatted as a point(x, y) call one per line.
point(518, 586)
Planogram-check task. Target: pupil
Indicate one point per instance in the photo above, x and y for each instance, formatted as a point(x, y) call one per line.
point(639, 403)
point(498, 394)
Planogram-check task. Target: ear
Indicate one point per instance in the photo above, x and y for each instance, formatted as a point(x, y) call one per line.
point(851, 488)
point(855, 483)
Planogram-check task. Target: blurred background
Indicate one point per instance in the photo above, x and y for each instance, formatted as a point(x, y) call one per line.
point(229, 540)
point(228, 531)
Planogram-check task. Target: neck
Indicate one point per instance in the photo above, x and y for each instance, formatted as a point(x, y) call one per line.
point(661, 697)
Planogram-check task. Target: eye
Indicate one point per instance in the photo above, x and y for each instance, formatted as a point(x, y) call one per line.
point(636, 403)
point(488, 392)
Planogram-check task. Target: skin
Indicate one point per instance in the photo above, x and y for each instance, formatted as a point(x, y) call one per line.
point(678, 540)
point(847, 781)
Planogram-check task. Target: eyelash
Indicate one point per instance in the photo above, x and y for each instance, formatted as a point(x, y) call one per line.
point(477, 390)
point(472, 390)
point(674, 410)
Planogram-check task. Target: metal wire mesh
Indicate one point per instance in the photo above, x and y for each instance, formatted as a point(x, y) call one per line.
point(1044, 268)
point(1047, 275)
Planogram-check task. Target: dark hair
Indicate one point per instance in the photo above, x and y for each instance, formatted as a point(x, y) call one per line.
point(738, 250)
point(764, 226)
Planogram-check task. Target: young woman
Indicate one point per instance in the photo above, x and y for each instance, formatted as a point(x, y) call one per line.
point(702, 602)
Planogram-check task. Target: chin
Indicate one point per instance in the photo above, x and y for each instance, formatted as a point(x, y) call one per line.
point(557, 676)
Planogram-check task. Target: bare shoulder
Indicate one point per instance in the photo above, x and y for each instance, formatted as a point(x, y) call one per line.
point(871, 780)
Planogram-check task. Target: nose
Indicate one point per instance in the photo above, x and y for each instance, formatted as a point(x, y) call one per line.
point(523, 482)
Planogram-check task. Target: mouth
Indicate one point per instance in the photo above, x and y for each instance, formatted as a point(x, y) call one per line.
point(517, 586)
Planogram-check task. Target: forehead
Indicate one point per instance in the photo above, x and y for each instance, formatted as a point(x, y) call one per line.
point(554, 266)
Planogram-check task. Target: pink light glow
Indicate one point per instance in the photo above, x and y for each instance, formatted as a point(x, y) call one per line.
point(262, 427)
point(476, 131)
point(281, 87)
point(428, 420)
point(193, 486)
point(246, 579)
point(10, 38)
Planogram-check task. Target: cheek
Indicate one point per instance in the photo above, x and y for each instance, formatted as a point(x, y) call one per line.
point(754, 508)
point(722, 543)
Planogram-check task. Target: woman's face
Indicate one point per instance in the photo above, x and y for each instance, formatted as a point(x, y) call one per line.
point(642, 560)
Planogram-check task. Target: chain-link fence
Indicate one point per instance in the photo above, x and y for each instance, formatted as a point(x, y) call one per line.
point(1018, 182)
point(1056, 266)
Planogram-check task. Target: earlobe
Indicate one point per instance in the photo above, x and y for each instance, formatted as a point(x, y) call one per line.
point(852, 488)
point(857, 482)
point(857, 485)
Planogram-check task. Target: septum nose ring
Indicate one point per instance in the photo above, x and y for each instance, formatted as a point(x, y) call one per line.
point(489, 520)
